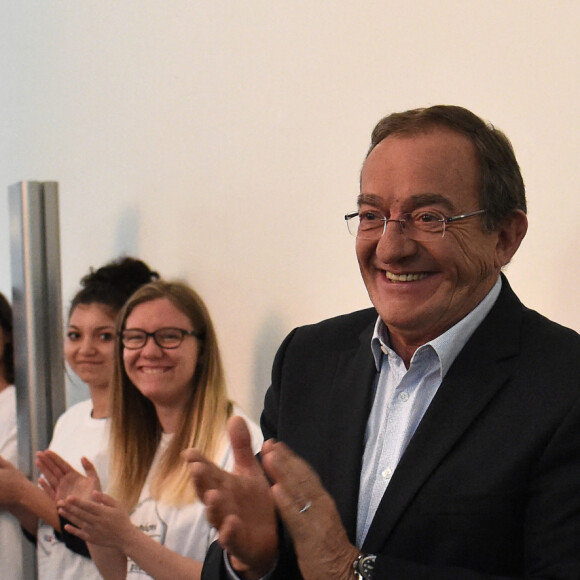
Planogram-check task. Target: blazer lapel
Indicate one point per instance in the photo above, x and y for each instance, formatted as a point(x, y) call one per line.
point(479, 371)
point(350, 402)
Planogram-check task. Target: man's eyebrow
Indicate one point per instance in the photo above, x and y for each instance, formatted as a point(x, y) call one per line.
point(415, 201)
point(422, 199)
point(368, 199)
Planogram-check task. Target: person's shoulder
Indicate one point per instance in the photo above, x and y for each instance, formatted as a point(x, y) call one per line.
point(509, 314)
point(553, 334)
point(333, 335)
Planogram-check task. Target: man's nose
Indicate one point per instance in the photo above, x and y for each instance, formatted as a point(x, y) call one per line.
point(394, 244)
point(399, 225)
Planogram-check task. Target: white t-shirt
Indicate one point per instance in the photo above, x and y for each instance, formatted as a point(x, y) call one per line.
point(183, 529)
point(10, 534)
point(76, 434)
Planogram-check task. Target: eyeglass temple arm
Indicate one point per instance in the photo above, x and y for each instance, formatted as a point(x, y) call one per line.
point(462, 216)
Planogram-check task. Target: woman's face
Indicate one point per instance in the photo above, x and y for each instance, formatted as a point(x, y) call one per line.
point(89, 346)
point(164, 376)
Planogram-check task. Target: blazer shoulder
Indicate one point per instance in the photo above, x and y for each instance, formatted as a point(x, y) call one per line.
point(548, 343)
point(346, 327)
point(512, 323)
point(540, 323)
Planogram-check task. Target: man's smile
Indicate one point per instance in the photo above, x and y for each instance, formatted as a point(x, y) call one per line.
point(412, 277)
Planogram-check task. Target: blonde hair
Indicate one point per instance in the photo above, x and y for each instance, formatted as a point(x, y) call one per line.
point(136, 430)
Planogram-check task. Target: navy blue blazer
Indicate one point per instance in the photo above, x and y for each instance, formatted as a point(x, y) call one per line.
point(489, 486)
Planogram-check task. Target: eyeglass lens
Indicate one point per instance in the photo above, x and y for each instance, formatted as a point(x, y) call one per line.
point(415, 227)
point(163, 337)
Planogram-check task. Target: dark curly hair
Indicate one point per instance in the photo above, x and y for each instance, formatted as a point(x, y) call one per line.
point(113, 283)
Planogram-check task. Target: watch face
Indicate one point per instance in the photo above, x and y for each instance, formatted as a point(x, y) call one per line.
point(366, 566)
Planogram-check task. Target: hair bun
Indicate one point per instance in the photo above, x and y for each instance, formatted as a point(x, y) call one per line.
point(113, 283)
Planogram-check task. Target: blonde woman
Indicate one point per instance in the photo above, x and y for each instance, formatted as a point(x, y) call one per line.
point(169, 394)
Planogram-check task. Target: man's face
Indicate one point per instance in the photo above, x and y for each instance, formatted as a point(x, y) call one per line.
point(421, 289)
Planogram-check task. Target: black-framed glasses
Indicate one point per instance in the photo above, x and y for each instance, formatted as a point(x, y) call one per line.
point(420, 225)
point(136, 338)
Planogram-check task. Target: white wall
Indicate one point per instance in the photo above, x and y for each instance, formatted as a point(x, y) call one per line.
point(221, 140)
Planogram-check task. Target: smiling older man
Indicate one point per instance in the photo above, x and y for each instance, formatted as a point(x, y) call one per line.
point(436, 435)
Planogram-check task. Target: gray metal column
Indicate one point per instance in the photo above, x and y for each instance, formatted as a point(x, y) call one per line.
point(37, 311)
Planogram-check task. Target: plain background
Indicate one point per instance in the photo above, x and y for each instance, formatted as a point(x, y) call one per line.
point(221, 141)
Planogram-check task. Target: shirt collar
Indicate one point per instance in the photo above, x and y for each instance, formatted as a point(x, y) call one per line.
point(446, 346)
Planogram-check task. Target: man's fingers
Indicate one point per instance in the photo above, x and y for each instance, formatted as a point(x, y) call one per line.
point(193, 455)
point(241, 441)
point(285, 467)
point(229, 531)
point(206, 476)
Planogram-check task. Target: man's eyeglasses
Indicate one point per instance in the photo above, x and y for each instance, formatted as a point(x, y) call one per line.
point(135, 338)
point(419, 225)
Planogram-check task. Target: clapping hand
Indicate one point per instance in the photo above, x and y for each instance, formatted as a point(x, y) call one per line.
point(62, 480)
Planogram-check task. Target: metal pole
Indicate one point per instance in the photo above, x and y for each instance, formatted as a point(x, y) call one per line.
point(37, 311)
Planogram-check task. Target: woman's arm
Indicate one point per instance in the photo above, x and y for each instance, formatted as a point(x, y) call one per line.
point(25, 500)
point(111, 562)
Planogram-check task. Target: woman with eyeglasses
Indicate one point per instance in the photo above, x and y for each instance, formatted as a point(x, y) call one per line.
point(168, 394)
point(81, 430)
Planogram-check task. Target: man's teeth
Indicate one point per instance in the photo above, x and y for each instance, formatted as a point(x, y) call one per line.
point(405, 277)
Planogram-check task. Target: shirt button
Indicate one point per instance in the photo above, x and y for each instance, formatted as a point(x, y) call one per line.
point(404, 397)
point(387, 473)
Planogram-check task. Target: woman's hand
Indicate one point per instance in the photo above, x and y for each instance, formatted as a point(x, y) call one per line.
point(100, 520)
point(61, 480)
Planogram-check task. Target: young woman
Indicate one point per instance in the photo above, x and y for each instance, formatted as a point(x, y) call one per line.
point(10, 543)
point(83, 429)
point(169, 394)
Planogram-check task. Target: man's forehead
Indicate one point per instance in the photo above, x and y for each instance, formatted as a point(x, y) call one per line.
point(425, 161)
point(412, 201)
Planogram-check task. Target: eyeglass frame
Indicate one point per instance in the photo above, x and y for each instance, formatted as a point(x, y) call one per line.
point(444, 221)
point(153, 334)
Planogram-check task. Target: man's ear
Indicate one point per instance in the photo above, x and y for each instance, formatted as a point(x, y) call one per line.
point(511, 232)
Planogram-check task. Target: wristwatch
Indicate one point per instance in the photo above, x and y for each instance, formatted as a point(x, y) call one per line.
point(364, 566)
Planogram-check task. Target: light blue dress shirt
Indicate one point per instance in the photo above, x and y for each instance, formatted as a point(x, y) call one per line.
point(401, 398)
